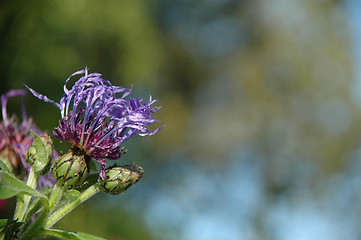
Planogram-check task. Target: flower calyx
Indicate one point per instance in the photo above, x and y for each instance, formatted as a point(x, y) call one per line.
point(120, 178)
point(71, 168)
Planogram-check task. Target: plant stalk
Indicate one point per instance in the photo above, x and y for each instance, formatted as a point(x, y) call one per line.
point(23, 200)
point(91, 191)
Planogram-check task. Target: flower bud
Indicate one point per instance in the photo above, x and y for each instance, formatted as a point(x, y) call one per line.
point(40, 153)
point(71, 169)
point(48, 145)
point(49, 150)
point(120, 178)
point(31, 154)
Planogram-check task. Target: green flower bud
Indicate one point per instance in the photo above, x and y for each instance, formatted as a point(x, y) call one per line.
point(48, 145)
point(49, 150)
point(71, 169)
point(120, 178)
point(40, 153)
point(31, 154)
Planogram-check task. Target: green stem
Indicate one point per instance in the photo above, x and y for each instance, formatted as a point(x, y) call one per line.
point(24, 200)
point(54, 198)
point(64, 235)
point(19, 206)
point(91, 191)
point(56, 195)
point(38, 224)
point(46, 232)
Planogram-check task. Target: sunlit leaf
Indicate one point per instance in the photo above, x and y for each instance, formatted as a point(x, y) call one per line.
point(11, 186)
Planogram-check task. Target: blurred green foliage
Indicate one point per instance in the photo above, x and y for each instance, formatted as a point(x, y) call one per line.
point(112, 223)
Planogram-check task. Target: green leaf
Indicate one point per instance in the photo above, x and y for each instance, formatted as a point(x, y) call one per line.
point(3, 223)
point(37, 154)
point(4, 167)
point(72, 194)
point(58, 234)
point(34, 207)
point(8, 227)
point(11, 186)
point(85, 236)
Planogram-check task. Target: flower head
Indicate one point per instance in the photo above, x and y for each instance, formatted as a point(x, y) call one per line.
point(97, 119)
point(120, 178)
point(15, 139)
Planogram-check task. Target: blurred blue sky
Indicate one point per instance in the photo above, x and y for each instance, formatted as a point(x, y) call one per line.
point(354, 9)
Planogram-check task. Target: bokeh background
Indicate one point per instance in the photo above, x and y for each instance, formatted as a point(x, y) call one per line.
point(262, 102)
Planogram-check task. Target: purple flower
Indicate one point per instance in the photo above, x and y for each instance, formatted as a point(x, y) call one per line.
point(97, 119)
point(16, 138)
